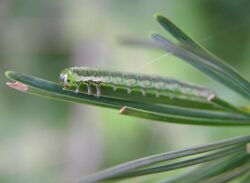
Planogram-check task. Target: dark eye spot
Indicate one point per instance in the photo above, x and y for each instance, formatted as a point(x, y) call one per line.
point(68, 80)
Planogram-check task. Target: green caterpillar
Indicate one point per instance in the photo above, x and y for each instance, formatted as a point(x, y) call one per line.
point(91, 81)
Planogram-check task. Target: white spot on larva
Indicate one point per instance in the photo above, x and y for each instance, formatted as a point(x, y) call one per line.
point(146, 83)
point(97, 79)
point(160, 85)
point(117, 80)
point(131, 82)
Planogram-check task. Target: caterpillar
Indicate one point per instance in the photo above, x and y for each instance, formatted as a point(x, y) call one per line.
point(100, 82)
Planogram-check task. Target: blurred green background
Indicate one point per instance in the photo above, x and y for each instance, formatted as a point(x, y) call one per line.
point(42, 140)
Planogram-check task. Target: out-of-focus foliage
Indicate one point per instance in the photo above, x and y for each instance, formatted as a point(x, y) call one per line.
point(43, 140)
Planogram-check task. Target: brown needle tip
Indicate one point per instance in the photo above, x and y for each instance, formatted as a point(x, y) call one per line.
point(18, 86)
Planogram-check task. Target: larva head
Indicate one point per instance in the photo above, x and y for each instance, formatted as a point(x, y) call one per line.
point(68, 78)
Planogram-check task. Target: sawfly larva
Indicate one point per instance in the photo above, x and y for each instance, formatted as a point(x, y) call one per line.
point(100, 82)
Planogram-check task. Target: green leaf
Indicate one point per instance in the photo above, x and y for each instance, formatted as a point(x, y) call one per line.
point(214, 62)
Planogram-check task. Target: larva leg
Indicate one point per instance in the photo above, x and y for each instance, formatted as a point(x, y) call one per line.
point(98, 89)
point(88, 88)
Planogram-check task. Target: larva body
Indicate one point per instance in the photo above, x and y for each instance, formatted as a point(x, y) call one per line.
point(101, 82)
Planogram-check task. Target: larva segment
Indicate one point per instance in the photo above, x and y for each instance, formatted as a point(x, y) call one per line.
point(102, 82)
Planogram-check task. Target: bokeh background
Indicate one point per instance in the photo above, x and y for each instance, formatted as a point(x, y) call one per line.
point(43, 140)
